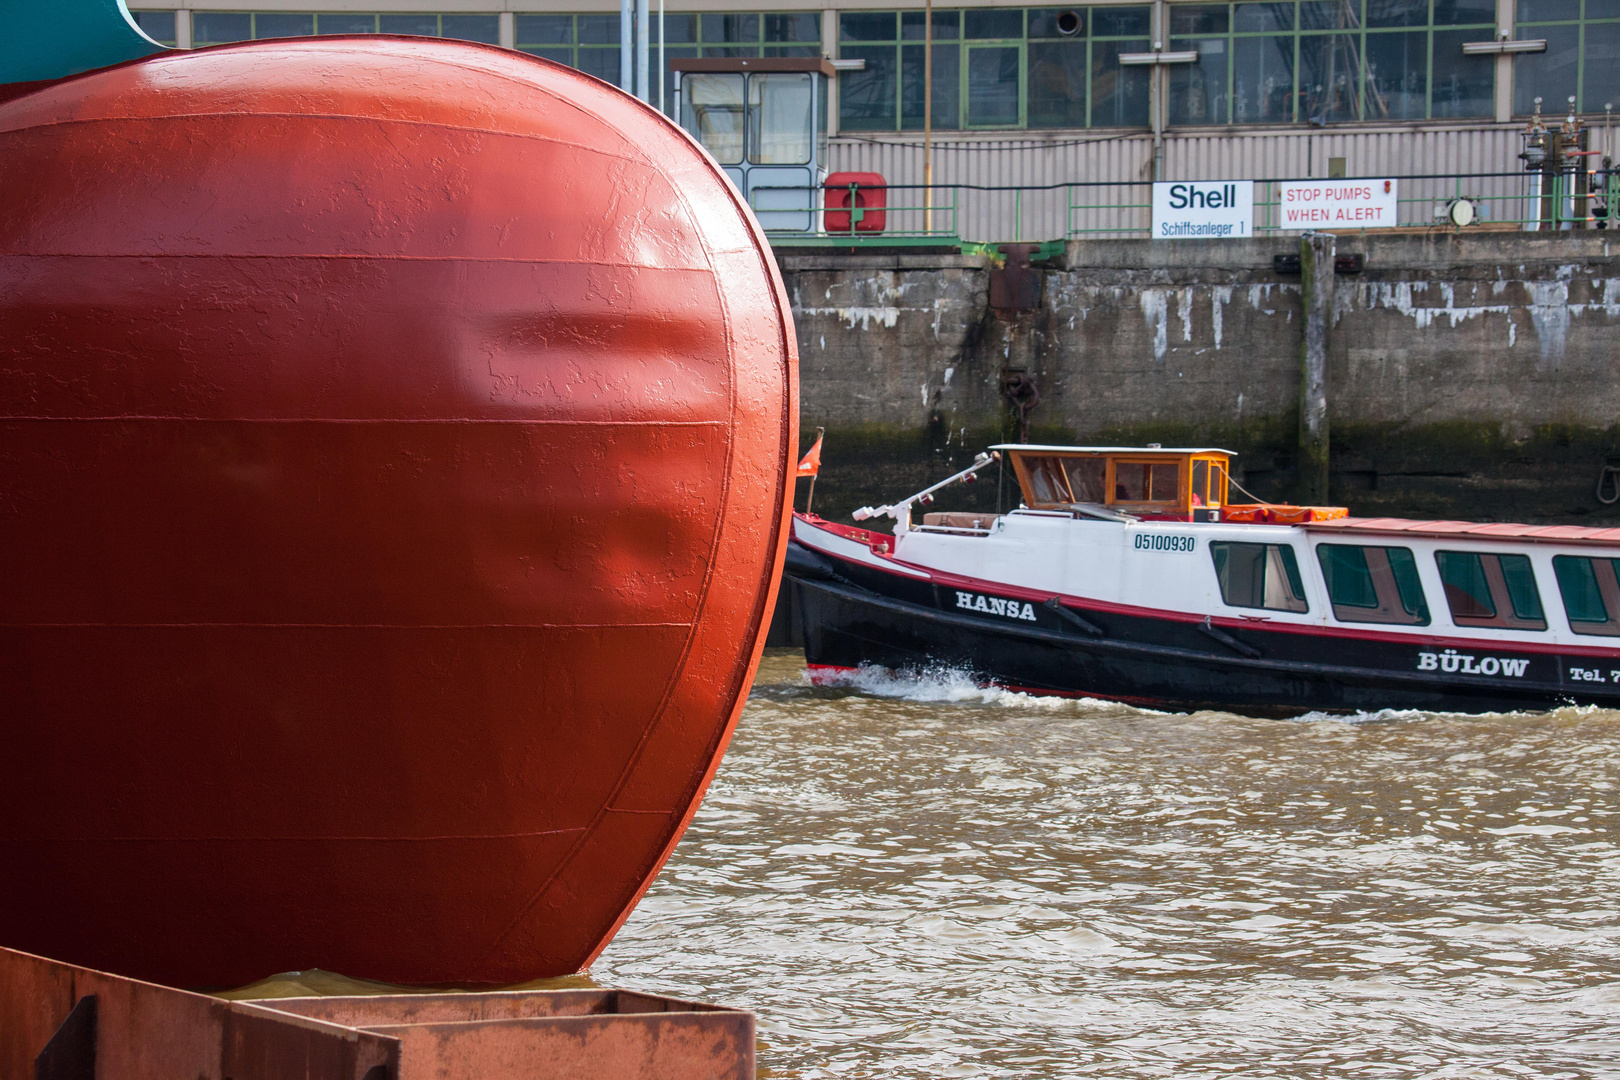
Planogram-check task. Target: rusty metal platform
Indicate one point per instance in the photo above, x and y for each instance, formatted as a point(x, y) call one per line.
point(61, 1022)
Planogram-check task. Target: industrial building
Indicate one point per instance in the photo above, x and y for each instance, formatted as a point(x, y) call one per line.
point(1027, 100)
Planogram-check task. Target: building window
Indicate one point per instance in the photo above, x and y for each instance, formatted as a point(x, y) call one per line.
point(1331, 61)
point(1582, 58)
point(587, 42)
point(750, 33)
point(1258, 62)
point(995, 68)
point(219, 27)
point(157, 25)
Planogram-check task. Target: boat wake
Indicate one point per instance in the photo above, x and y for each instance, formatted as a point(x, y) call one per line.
point(935, 683)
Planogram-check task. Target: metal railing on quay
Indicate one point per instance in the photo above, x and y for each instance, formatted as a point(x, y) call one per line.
point(918, 213)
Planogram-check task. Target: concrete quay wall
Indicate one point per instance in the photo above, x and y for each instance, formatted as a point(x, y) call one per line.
point(1468, 375)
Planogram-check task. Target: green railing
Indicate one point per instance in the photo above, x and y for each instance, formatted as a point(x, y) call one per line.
point(948, 213)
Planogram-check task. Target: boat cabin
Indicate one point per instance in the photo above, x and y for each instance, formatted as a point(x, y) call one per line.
point(1148, 482)
point(1182, 484)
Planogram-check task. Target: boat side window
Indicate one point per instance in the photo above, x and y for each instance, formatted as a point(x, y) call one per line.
point(1259, 576)
point(1086, 479)
point(1046, 481)
point(1591, 594)
point(1373, 584)
point(1142, 481)
point(1491, 590)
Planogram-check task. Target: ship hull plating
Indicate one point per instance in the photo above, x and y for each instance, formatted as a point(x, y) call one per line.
point(393, 442)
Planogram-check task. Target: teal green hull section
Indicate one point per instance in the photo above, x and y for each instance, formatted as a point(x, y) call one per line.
point(52, 39)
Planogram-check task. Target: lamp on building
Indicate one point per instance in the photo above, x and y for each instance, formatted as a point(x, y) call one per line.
point(1498, 48)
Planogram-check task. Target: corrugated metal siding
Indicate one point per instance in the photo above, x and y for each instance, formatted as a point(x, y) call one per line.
point(1126, 160)
point(994, 215)
point(1301, 154)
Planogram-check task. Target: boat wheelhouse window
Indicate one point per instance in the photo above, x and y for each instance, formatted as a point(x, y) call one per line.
point(1143, 481)
point(1046, 480)
point(1259, 576)
point(1087, 479)
point(1201, 494)
point(1591, 594)
point(1373, 584)
point(1491, 590)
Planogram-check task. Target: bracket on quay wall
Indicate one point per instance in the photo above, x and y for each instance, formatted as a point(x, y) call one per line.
point(62, 1022)
point(1342, 264)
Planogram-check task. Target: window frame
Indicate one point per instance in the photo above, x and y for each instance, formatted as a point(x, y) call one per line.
point(1523, 94)
point(1505, 616)
point(1284, 552)
point(1610, 597)
point(1385, 614)
point(902, 121)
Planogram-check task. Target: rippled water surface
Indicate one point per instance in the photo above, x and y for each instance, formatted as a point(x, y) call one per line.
point(920, 878)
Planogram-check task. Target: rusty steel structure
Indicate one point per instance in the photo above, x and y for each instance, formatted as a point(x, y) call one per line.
point(394, 443)
point(62, 1022)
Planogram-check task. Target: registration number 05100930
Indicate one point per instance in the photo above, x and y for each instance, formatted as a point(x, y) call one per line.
point(1163, 542)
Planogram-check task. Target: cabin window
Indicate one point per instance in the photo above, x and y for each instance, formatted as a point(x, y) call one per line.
point(1259, 576)
point(1086, 479)
point(1141, 481)
point(713, 107)
point(1491, 590)
point(1591, 595)
point(1373, 584)
point(1046, 480)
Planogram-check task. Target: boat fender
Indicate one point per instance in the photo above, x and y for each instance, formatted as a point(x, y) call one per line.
point(801, 562)
point(1086, 625)
point(1239, 647)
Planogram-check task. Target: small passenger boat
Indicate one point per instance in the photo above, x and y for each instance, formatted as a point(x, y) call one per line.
point(1127, 573)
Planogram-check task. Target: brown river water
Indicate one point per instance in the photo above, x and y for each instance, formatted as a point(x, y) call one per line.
point(917, 877)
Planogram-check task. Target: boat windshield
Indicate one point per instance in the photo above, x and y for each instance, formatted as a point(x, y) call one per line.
point(1087, 479)
point(1047, 483)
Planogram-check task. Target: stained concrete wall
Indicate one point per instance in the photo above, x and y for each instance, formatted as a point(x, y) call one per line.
point(1469, 375)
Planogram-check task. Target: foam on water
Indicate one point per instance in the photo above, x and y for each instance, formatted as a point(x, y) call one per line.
point(928, 877)
point(943, 683)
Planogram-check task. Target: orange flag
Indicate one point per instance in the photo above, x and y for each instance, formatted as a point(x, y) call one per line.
point(811, 465)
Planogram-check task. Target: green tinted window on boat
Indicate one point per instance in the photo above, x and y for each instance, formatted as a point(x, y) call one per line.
point(1373, 584)
point(1591, 593)
point(1404, 567)
point(1468, 593)
point(1523, 595)
point(1488, 589)
point(1349, 582)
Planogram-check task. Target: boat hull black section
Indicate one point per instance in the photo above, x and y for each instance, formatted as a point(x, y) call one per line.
point(859, 615)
